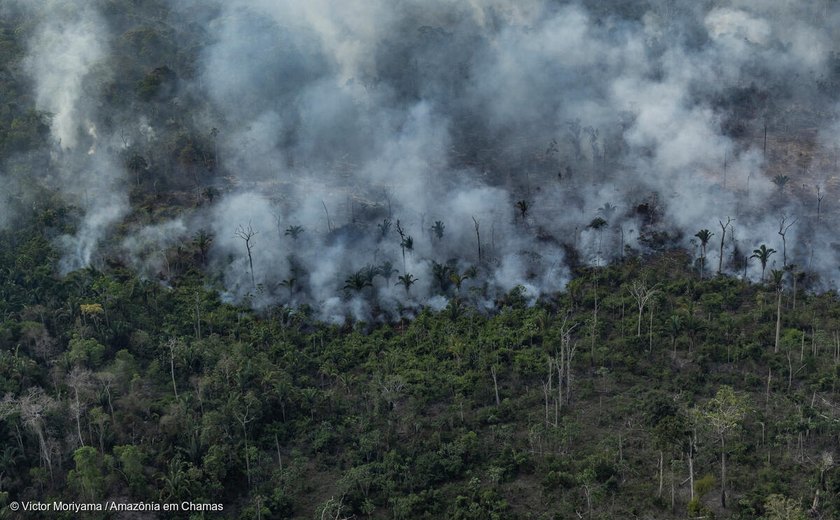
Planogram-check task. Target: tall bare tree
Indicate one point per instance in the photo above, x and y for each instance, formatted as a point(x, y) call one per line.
point(723, 228)
point(477, 237)
point(32, 408)
point(642, 294)
point(778, 278)
point(247, 235)
point(79, 379)
point(784, 226)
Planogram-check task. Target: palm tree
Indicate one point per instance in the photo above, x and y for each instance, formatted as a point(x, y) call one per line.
point(406, 280)
point(780, 181)
point(202, 241)
point(523, 206)
point(406, 242)
point(704, 235)
point(385, 227)
point(289, 283)
point(385, 270)
point(607, 210)
point(763, 253)
point(358, 281)
point(598, 224)
point(441, 274)
point(175, 483)
point(137, 164)
point(459, 279)
point(437, 229)
point(293, 231)
point(8, 459)
point(675, 327)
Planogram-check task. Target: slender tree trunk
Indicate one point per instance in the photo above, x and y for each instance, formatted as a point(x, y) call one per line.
point(790, 371)
point(639, 324)
point(650, 330)
point(673, 491)
point(569, 354)
point(661, 473)
point(547, 388)
point(560, 372)
point(588, 494)
point(691, 468)
point(778, 318)
point(326, 211)
point(802, 348)
point(45, 451)
point(594, 326)
point(723, 472)
point(495, 383)
point(172, 367)
point(78, 415)
point(247, 457)
point(477, 238)
point(198, 315)
point(110, 406)
point(767, 391)
point(251, 265)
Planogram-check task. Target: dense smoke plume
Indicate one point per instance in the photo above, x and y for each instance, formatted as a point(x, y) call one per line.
point(67, 46)
point(516, 125)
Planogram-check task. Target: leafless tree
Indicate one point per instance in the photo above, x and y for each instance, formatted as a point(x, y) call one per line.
point(642, 294)
point(247, 235)
point(173, 346)
point(31, 408)
point(562, 363)
point(477, 238)
point(241, 406)
point(329, 222)
point(784, 226)
point(79, 379)
point(723, 228)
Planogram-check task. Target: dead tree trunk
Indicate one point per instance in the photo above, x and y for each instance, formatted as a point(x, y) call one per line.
point(723, 228)
point(778, 317)
point(477, 238)
point(247, 235)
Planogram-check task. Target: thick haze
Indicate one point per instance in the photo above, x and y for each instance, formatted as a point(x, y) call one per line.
point(335, 116)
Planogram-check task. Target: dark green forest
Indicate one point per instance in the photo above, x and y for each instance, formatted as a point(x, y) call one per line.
point(656, 380)
point(607, 400)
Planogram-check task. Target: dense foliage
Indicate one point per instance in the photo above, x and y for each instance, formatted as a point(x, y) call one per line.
point(123, 389)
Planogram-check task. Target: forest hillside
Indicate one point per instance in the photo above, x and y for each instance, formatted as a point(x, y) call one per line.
point(410, 259)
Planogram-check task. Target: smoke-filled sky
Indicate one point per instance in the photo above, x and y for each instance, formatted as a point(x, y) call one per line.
point(342, 117)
